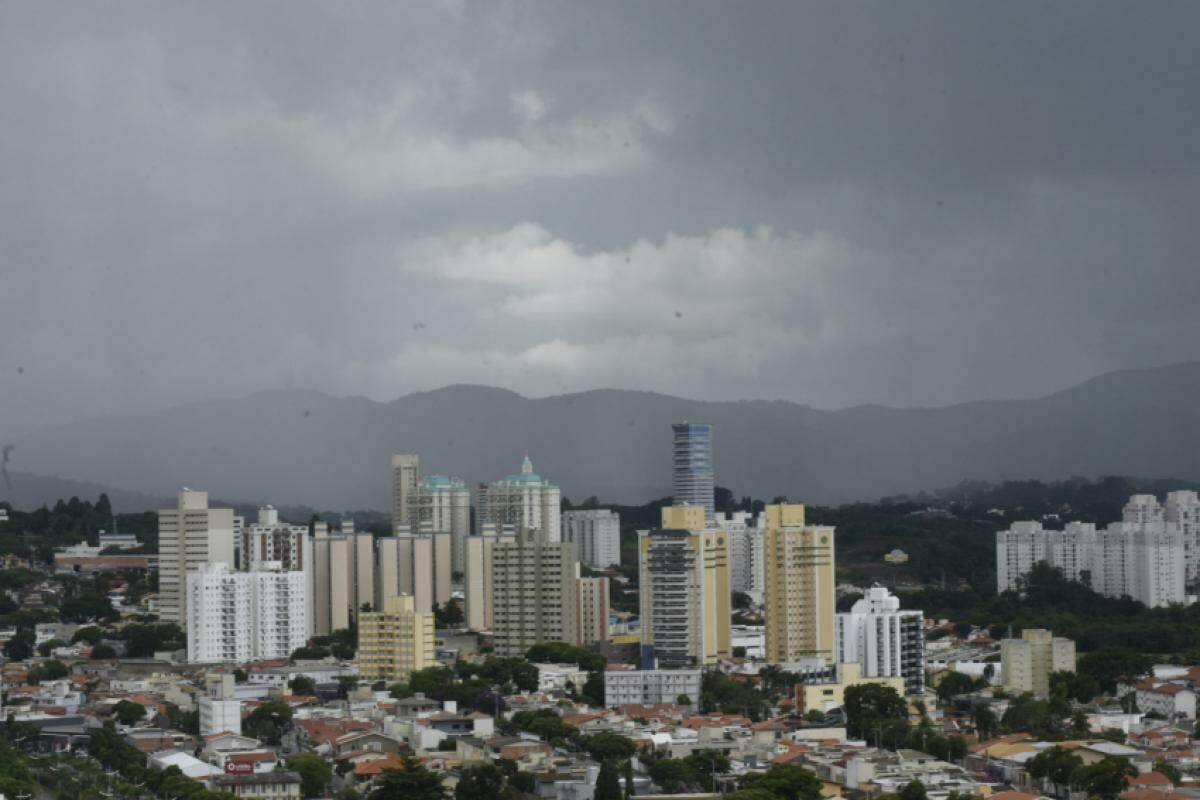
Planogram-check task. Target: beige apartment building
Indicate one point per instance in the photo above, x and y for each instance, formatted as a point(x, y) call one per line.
point(1027, 662)
point(799, 587)
point(592, 610)
point(395, 642)
point(477, 575)
point(343, 576)
point(406, 472)
point(534, 587)
point(684, 591)
point(415, 564)
point(190, 536)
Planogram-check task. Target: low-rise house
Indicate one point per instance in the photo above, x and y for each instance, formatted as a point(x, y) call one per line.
point(277, 785)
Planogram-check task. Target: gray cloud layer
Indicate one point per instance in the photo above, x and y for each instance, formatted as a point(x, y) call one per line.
point(834, 203)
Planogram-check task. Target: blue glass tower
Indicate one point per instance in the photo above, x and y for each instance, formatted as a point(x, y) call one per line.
point(693, 466)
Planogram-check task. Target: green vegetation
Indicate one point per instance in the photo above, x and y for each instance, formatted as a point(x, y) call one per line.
point(315, 774)
point(412, 781)
point(128, 712)
point(544, 724)
point(68, 522)
point(609, 747)
point(608, 784)
point(268, 721)
point(301, 685)
point(696, 772)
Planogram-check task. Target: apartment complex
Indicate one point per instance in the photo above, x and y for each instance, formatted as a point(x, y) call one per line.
point(443, 505)
point(692, 466)
point(650, 687)
point(343, 576)
point(1142, 557)
point(417, 565)
point(1028, 662)
point(883, 640)
point(591, 609)
point(524, 500)
point(245, 616)
point(270, 540)
point(477, 577)
point(684, 591)
point(534, 586)
point(395, 642)
point(745, 552)
point(798, 586)
point(596, 534)
point(406, 472)
point(190, 536)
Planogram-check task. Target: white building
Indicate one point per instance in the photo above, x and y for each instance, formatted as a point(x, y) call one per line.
point(555, 677)
point(1142, 556)
point(443, 505)
point(219, 710)
point(523, 500)
point(650, 686)
point(883, 640)
point(745, 536)
point(1182, 509)
point(596, 534)
point(125, 541)
point(245, 616)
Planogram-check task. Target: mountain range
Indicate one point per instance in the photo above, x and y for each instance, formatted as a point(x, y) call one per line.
point(293, 447)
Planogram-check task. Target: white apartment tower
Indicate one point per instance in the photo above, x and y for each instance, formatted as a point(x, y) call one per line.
point(883, 640)
point(270, 540)
point(190, 536)
point(596, 534)
point(1182, 509)
point(745, 534)
point(524, 500)
point(245, 616)
point(443, 505)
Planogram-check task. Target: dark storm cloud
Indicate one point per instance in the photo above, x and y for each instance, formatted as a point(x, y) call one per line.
point(833, 203)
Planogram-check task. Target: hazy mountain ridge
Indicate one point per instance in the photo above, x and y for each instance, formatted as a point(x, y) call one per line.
point(306, 447)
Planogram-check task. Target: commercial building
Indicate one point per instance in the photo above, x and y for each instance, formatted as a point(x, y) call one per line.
point(684, 591)
point(343, 576)
point(417, 565)
point(591, 602)
point(745, 534)
point(596, 534)
point(798, 587)
point(245, 616)
point(524, 500)
point(692, 466)
point(649, 687)
point(190, 536)
point(395, 642)
point(534, 588)
point(1143, 556)
point(1028, 662)
point(883, 640)
point(477, 577)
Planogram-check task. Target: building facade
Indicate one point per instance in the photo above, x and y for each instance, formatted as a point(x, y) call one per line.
point(343, 576)
point(591, 603)
point(684, 591)
point(1028, 662)
point(406, 472)
point(524, 500)
point(596, 534)
point(883, 640)
point(245, 616)
point(534, 589)
point(692, 466)
point(477, 577)
point(190, 536)
point(417, 565)
point(395, 642)
point(443, 505)
point(745, 552)
point(798, 587)
point(649, 687)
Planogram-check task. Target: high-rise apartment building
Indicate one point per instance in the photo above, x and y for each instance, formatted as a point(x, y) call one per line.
point(343, 576)
point(798, 587)
point(406, 473)
point(443, 505)
point(1182, 509)
point(524, 500)
point(190, 536)
point(245, 616)
point(477, 577)
point(417, 565)
point(596, 534)
point(592, 610)
point(1028, 662)
point(395, 642)
point(1142, 557)
point(534, 593)
point(692, 466)
point(745, 552)
point(269, 540)
point(883, 640)
point(684, 591)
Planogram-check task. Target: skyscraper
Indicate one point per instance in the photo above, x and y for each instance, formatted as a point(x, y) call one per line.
point(684, 591)
point(524, 500)
point(533, 593)
point(798, 587)
point(692, 465)
point(343, 576)
point(406, 472)
point(189, 536)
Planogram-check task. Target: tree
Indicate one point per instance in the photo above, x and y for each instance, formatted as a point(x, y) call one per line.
point(302, 685)
point(913, 790)
point(783, 782)
point(412, 781)
point(608, 785)
point(90, 634)
point(269, 721)
point(609, 747)
point(449, 615)
point(741, 600)
point(45, 647)
point(1106, 779)
point(1169, 770)
point(1054, 765)
point(873, 710)
point(102, 651)
point(128, 712)
point(683, 700)
point(1108, 664)
point(484, 782)
point(20, 646)
point(954, 683)
point(985, 720)
point(315, 774)
point(593, 689)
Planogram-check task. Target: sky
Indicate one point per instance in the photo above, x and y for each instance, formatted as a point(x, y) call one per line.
point(831, 203)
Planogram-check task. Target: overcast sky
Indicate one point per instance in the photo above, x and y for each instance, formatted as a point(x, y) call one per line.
point(833, 203)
